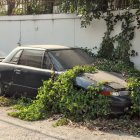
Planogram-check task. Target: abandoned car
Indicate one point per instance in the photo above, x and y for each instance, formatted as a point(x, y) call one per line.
point(24, 69)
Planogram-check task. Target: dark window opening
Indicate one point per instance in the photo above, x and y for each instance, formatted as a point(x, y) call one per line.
point(67, 59)
point(31, 58)
point(47, 64)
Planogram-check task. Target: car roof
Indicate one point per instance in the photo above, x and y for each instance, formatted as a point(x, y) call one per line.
point(47, 47)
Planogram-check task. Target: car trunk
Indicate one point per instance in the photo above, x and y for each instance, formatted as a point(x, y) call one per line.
point(111, 79)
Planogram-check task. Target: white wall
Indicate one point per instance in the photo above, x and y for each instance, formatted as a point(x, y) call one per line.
point(63, 29)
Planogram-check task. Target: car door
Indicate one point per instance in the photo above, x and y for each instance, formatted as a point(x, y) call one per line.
point(29, 73)
point(7, 71)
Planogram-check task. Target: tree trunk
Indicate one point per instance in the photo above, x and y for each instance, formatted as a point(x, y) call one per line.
point(11, 6)
point(121, 4)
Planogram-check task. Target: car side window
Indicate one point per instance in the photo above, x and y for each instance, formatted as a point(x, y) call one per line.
point(47, 64)
point(16, 57)
point(31, 58)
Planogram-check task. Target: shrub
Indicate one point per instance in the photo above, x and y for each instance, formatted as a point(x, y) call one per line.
point(134, 86)
point(59, 95)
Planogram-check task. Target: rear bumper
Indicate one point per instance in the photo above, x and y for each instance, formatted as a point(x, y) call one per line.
point(120, 104)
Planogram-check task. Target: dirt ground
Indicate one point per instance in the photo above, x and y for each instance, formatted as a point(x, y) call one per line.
point(15, 129)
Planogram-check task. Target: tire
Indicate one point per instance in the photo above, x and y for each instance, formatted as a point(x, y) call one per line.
point(1, 89)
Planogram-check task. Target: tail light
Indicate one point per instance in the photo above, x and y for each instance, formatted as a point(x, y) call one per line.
point(106, 93)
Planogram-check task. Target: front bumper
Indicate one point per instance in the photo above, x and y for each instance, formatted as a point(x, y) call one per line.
point(120, 104)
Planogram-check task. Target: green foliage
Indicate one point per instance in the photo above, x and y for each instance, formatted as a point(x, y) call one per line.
point(22, 102)
point(5, 101)
point(132, 77)
point(134, 86)
point(116, 66)
point(16, 103)
point(87, 9)
point(107, 46)
point(61, 122)
point(119, 47)
point(59, 95)
point(25, 7)
point(94, 9)
point(125, 37)
point(90, 51)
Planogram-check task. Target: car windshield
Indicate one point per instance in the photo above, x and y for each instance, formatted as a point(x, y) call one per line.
point(68, 58)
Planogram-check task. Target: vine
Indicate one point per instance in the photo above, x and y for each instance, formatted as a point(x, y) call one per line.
point(119, 46)
point(107, 45)
point(138, 18)
point(123, 49)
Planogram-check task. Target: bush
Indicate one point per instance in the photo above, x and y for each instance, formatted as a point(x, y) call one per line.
point(58, 95)
point(134, 86)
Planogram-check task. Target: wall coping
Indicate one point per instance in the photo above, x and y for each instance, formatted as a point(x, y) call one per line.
point(39, 17)
point(48, 16)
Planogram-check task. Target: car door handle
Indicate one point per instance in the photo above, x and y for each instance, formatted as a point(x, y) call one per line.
point(17, 71)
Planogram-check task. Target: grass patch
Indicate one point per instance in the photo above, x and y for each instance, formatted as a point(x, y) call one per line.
point(123, 124)
point(16, 103)
point(61, 122)
point(4, 102)
point(13, 114)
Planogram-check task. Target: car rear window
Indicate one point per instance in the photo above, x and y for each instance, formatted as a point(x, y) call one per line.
point(68, 58)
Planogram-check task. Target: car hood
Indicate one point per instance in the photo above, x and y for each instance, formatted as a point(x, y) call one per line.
point(111, 79)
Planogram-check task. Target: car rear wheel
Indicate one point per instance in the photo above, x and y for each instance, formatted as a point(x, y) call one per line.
point(1, 89)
